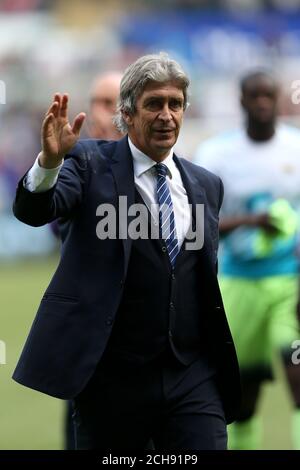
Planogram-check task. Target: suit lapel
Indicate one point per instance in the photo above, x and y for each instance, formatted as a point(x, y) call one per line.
point(196, 195)
point(122, 170)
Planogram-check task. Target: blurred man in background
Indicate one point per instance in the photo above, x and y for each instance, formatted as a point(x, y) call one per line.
point(104, 95)
point(260, 169)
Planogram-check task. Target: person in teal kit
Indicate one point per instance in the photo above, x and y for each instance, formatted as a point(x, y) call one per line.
point(259, 269)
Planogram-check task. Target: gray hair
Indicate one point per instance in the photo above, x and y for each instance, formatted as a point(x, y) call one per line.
point(149, 68)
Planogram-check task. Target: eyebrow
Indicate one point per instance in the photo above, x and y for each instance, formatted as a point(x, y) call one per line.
point(157, 97)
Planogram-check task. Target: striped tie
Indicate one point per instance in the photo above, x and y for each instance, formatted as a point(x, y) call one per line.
point(167, 229)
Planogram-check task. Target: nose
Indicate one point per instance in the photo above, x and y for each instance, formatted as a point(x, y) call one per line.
point(165, 113)
point(263, 101)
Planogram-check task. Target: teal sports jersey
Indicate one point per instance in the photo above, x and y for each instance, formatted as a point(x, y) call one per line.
point(258, 177)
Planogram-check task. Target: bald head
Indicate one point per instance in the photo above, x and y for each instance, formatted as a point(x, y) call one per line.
point(104, 94)
point(252, 79)
point(259, 98)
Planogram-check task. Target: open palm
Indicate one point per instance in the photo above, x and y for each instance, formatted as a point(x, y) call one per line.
point(58, 135)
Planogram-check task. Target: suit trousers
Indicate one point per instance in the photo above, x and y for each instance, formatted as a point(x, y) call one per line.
point(125, 405)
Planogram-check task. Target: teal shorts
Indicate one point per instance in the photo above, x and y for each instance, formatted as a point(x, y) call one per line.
point(262, 318)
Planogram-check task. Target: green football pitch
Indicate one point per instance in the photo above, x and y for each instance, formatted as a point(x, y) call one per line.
point(31, 420)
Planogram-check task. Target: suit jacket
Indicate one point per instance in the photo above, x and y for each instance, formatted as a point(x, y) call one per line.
point(76, 313)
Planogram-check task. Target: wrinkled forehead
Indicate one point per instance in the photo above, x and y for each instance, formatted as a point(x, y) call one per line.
point(171, 88)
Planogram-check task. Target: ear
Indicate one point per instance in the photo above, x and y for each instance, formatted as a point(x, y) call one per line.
point(127, 118)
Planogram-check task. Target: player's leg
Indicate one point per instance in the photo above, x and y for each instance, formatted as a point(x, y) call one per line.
point(285, 335)
point(246, 306)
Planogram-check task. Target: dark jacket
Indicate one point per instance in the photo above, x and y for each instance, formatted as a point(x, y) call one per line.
point(75, 318)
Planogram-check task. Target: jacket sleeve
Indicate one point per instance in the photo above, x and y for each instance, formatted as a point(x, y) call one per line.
point(38, 209)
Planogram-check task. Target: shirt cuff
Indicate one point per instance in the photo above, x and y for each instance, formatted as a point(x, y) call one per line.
point(41, 179)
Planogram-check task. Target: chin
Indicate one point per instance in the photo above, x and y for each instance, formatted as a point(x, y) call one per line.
point(165, 143)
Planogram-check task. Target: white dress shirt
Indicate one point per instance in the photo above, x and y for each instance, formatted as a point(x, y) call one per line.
point(145, 178)
point(42, 179)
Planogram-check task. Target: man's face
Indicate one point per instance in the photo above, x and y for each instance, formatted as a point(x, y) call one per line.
point(156, 123)
point(259, 100)
point(103, 102)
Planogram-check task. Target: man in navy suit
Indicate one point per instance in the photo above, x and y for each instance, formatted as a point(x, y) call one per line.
point(132, 328)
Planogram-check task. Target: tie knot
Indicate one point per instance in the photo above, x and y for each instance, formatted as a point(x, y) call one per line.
point(161, 169)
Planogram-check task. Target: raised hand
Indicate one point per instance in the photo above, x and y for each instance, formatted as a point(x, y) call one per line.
point(58, 136)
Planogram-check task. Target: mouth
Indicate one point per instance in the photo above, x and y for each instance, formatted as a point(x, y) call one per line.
point(164, 131)
point(263, 110)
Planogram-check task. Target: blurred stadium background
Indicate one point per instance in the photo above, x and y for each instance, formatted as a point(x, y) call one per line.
point(48, 46)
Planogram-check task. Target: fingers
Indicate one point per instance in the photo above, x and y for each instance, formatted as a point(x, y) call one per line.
point(64, 105)
point(59, 106)
point(59, 109)
point(77, 124)
point(53, 109)
point(47, 122)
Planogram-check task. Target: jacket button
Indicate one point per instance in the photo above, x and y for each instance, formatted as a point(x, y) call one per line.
point(164, 249)
point(218, 307)
point(108, 321)
point(171, 305)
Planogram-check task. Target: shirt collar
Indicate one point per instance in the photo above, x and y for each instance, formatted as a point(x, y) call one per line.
point(143, 163)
